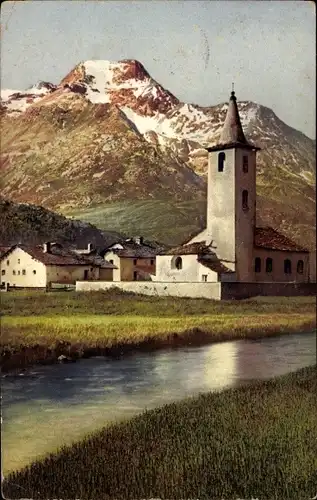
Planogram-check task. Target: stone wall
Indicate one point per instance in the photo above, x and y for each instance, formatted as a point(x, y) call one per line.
point(236, 290)
point(216, 291)
point(196, 290)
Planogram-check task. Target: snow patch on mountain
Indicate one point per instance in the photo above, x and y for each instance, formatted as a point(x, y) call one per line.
point(17, 101)
point(157, 123)
point(103, 75)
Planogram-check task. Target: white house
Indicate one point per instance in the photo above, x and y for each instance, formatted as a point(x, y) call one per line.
point(39, 266)
point(134, 259)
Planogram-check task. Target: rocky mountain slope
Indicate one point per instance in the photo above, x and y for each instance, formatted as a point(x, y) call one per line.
point(29, 224)
point(109, 132)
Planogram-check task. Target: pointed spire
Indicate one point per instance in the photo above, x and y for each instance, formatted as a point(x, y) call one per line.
point(232, 131)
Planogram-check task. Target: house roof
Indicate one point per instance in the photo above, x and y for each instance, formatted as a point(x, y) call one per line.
point(269, 238)
point(232, 135)
point(197, 248)
point(3, 250)
point(58, 256)
point(134, 250)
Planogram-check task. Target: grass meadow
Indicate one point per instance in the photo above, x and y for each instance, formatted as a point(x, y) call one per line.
point(257, 441)
point(112, 318)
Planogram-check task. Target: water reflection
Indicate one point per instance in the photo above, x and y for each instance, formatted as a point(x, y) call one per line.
point(54, 405)
point(220, 365)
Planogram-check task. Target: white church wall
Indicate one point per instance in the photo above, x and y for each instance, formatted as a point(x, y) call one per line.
point(191, 271)
point(221, 204)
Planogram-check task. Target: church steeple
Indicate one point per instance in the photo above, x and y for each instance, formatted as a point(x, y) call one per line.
point(232, 131)
point(232, 135)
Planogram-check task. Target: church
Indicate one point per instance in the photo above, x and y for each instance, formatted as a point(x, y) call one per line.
point(232, 258)
point(232, 248)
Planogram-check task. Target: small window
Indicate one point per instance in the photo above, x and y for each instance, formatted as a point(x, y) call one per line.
point(3, 272)
point(204, 277)
point(152, 262)
point(13, 272)
point(269, 265)
point(111, 261)
point(34, 272)
point(8, 262)
point(257, 265)
point(287, 266)
point(245, 201)
point(135, 261)
point(135, 275)
point(179, 263)
point(221, 162)
point(18, 261)
point(3, 283)
point(300, 267)
point(245, 164)
point(19, 272)
point(23, 272)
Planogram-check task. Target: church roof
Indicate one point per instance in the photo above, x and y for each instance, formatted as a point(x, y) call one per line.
point(267, 237)
point(197, 248)
point(232, 135)
point(215, 264)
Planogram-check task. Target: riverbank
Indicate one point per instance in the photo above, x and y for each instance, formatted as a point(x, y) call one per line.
point(239, 443)
point(38, 327)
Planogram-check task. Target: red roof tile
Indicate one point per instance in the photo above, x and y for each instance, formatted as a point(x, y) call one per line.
point(215, 265)
point(58, 256)
point(199, 248)
point(269, 238)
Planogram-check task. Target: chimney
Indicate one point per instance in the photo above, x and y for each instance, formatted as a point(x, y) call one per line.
point(47, 247)
point(138, 240)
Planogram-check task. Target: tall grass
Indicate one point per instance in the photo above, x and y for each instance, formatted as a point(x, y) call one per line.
point(259, 441)
point(106, 331)
point(116, 302)
point(116, 320)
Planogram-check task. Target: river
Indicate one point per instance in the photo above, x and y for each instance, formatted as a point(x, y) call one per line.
point(48, 406)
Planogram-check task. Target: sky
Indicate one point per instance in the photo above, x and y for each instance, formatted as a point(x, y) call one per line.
point(195, 49)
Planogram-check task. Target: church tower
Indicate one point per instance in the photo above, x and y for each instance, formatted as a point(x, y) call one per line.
point(231, 200)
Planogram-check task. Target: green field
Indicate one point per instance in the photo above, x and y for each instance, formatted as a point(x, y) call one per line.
point(117, 320)
point(258, 441)
point(169, 222)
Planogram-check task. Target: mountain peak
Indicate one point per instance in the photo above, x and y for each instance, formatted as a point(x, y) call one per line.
point(125, 83)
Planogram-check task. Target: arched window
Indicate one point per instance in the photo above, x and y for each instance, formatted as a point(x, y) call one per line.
point(221, 162)
point(300, 267)
point(257, 265)
point(178, 263)
point(245, 201)
point(245, 164)
point(287, 266)
point(269, 265)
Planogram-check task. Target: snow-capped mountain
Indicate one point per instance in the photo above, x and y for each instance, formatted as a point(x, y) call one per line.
point(109, 131)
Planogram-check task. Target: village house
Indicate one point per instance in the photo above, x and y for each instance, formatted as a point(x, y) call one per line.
point(42, 266)
point(134, 259)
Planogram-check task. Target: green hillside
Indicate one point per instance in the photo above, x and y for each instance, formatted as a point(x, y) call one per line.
point(167, 221)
